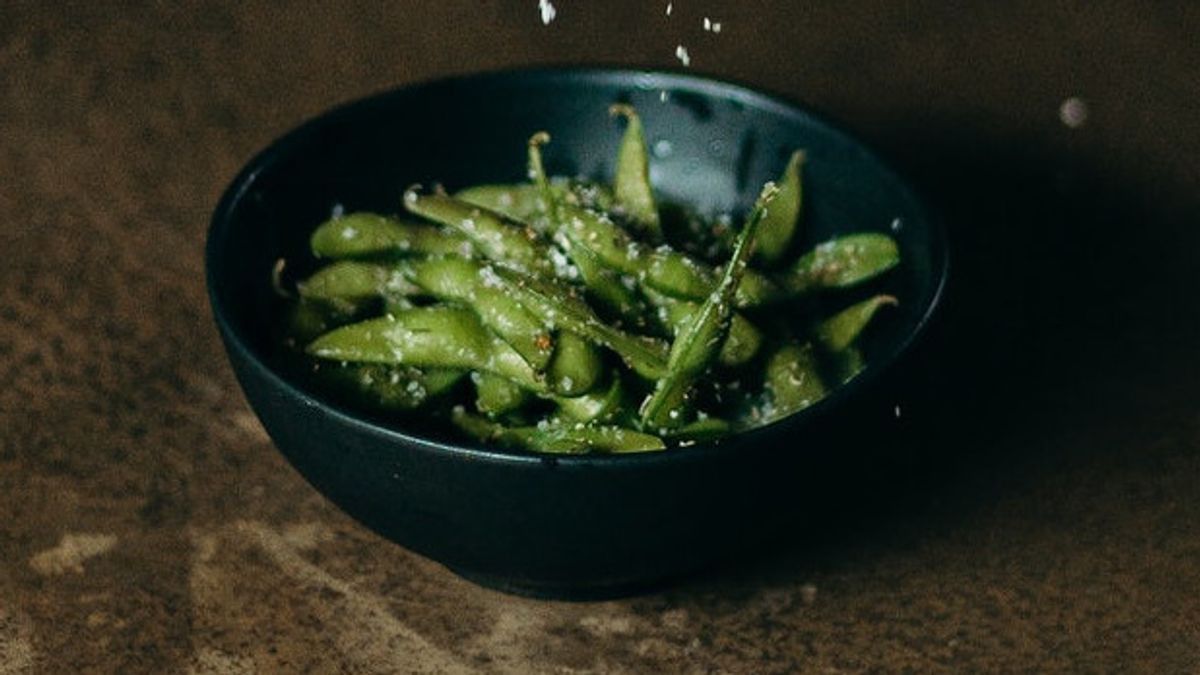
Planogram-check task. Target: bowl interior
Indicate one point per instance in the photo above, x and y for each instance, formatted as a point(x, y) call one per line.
point(713, 146)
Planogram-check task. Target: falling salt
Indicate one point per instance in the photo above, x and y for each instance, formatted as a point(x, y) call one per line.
point(712, 26)
point(681, 53)
point(897, 224)
point(547, 10)
point(1073, 112)
point(670, 6)
point(896, 411)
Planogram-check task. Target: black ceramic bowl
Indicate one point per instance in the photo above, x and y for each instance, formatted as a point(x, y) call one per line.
point(572, 525)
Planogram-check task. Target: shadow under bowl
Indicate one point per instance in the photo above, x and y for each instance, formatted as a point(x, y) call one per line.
point(569, 526)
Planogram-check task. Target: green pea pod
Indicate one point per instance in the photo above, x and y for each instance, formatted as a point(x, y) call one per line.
point(740, 345)
point(597, 406)
point(557, 438)
point(576, 366)
point(792, 381)
point(602, 283)
point(475, 284)
point(495, 395)
point(389, 388)
point(493, 235)
point(779, 225)
point(631, 184)
point(437, 337)
point(698, 342)
point(842, 262)
point(561, 307)
point(370, 235)
point(348, 286)
point(840, 330)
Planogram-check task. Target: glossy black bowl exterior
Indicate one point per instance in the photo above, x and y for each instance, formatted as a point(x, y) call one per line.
point(560, 525)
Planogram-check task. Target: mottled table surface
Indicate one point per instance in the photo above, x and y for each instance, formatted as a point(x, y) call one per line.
point(1044, 515)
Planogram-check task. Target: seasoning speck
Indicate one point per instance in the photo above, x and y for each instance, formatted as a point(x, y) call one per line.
point(547, 10)
point(1073, 112)
point(681, 53)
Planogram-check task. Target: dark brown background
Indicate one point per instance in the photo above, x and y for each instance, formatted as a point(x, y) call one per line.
point(1044, 519)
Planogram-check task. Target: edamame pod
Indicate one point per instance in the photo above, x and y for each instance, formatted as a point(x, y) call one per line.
point(389, 388)
point(495, 395)
point(493, 235)
point(792, 381)
point(631, 184)
point(779, 224)
point(603, 405)
point(370, 235)
point(602, 282)
point(348, 286)
point(560, 306)
point(476, 285)
point(438, 336)
point(576, 366)
point(698, 342)
point(842, 262)
point(840, 330)
point(740, 345)
point(558, 438)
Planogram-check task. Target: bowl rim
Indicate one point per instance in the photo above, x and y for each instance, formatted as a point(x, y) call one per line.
point(671, 80)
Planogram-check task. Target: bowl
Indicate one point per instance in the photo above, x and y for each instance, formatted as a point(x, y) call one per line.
point(564, 526)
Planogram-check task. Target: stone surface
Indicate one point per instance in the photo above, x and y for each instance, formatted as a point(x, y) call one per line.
point(1045, 517)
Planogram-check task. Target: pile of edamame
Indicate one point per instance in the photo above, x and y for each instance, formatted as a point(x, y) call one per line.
point(570, 316)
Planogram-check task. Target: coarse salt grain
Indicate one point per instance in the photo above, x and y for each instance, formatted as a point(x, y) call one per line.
point(547, 10)
point(681, 53)
point(1073, 112)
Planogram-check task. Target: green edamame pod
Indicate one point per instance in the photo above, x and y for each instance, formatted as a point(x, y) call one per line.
point(705, 429)
point(519, 201)
point(347, 286)
point(779, 225)
point(600, 281)
point(662, 268)
point(557, 438)
point(698, 342)
point(438, 336)
point(493, 235)
point(523, 201)
point(576, 366)
point(631, 184)
point(792, 381)
point(840, 330)
point(387, 388)
point(560, 306)
point(370, 235)
point(495, 395)
point(847, 364)
point(740, 345)
point(305, 321)
point(476, 285)
point(598, 406)
point(842, 262)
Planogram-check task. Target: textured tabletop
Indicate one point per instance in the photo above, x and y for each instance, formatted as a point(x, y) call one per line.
point(1042, 517)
